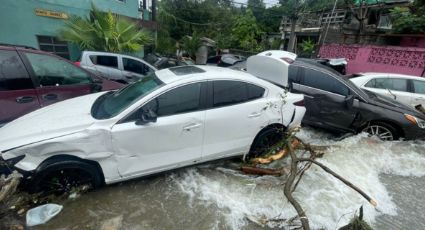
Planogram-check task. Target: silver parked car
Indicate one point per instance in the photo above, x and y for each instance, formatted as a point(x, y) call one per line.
point(117, 67)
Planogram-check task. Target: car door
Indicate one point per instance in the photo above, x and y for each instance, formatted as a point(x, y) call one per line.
point(17, 93)
point(418, 96)
point(174, 140)
point(57, 79)
point(326, 99)
point(235, 115)
point(134, 70)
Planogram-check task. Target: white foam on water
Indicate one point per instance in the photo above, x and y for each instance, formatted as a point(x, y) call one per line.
point(328, 203)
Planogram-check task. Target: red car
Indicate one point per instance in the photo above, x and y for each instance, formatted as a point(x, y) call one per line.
point(30, 79)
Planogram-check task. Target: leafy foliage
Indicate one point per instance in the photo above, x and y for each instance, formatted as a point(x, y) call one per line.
point(409, 20)
point(307, 47)
point(104, 31)
point(191, 44)
point(246, 31)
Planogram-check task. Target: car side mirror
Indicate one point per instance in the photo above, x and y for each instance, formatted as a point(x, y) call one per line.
point(97, 81)
point(349, 101)
point(146, 117)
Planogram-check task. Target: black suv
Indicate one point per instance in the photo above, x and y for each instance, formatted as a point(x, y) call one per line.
point(335, 103)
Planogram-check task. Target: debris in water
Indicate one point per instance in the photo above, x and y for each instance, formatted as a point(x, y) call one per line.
point(42, 214)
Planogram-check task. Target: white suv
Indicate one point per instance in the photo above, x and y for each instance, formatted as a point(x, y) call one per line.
point(117, 67)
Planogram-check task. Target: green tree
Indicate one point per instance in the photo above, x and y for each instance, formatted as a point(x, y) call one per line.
point(246, 31)
point(104, 31)
point(409, 20)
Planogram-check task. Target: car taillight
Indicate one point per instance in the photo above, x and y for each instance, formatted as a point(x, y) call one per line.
point(299, 103)
point(77, 63)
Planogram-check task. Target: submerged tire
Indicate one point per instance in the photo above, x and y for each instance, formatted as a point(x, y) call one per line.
point(61, 177)
point(265, 140)
point(382, 130)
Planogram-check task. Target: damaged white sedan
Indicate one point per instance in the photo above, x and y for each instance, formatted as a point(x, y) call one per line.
point(172, 118)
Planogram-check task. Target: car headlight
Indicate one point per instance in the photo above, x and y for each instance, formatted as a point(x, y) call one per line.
point(414, 120)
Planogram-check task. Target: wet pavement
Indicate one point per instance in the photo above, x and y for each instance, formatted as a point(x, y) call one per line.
point(218, 196)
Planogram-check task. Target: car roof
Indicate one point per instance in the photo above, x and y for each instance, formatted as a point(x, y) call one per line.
point(392, 75)
point(195, 72)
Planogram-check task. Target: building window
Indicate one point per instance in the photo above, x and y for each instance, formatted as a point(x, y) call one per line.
point(53, 45)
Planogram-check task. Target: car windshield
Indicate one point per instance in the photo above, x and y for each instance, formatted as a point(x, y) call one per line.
point(113, 103)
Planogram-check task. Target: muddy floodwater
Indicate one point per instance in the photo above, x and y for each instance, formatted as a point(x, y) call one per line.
point(218, 196)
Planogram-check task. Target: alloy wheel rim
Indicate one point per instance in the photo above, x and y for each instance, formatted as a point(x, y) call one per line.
point(381, 132)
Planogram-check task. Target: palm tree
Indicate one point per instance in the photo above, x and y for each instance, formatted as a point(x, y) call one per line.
point(104, 31)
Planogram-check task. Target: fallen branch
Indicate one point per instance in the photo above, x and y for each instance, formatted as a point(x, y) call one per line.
point(346, 182)
point(264, 171)
point(287, 190)
point(282, 153)
point(9, 185)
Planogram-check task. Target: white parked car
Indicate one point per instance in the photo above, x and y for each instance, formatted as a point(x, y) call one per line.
point(118, 67)
point(169, 119)
point(407, 89)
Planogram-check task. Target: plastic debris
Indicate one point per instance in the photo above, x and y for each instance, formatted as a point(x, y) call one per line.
point(42, 214)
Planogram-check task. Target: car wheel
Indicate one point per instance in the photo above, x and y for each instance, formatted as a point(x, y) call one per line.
point(62, 178)
point(265, 140)
point(383, 131)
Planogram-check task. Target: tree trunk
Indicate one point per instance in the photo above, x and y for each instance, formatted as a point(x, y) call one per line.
point(291, 43)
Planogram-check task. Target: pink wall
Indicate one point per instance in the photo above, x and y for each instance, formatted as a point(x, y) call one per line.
point(390, 59)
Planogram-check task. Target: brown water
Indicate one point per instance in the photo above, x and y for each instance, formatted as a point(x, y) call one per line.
point(218, 196)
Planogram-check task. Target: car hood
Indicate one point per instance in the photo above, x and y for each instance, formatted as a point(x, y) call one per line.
point(392, 104)
point(60, 119)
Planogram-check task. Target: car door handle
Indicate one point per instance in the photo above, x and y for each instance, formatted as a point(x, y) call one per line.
point(256, 114)
point(24, 99)
point(419, 98)
point(308, 96)
point(191, 126)
point(50, 96)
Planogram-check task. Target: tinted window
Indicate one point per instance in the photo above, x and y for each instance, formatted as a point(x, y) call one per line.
point(255, 92)
point(52, 71)
point(110, 61)
point(323, 81)
point(13, 75)
point(229, 92)
point(135, 66)
point(180, 100)
point(388, 83)
point(419, 86)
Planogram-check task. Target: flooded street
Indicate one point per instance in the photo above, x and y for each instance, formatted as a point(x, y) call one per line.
point(218, 196)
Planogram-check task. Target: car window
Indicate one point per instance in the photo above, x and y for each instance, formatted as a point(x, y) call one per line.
point(254, 91)
point(183, 99)
point(13, 75)
point(52, 71)
point(113, 103)
point(135, 66)
point(323, 81)
point(419, 86)
point(388, 83)
point(104, 60)
point(234, 92)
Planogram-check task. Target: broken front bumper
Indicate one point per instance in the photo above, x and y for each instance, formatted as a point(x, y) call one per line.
point(7, 166)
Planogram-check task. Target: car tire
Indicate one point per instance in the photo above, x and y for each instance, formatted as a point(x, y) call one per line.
point(382, 130)
point(265, 139)
point(62, 176)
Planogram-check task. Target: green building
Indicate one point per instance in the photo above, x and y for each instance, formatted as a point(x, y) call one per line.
point(36, 23)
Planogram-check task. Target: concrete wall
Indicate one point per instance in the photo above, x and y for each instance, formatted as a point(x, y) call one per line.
point(369, 58)
point(19, 24)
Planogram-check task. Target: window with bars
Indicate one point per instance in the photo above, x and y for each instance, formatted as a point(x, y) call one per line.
point(53, 45)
